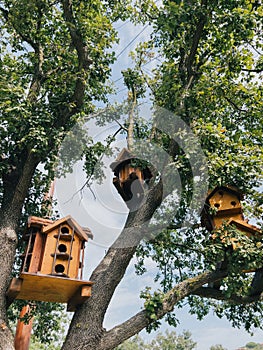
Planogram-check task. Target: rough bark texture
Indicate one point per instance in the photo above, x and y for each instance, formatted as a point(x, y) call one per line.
point(8, 245)
point(86, 330)
point(16, 184)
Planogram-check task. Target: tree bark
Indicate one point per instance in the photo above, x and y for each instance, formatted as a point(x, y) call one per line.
point(16, 184)
point(86, 329)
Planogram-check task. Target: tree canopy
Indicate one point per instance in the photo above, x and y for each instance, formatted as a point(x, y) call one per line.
point(204, 130)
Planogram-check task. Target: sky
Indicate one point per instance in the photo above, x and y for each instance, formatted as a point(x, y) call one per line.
point(105, 215)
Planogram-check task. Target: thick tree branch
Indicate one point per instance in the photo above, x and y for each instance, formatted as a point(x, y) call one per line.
point(195, 42)
point(83, 58)
point(141, 320)
point(187, 60)
point(16, 184)
point(76, 37)
point(187, 70)
point(38, 75)
point(111, 270)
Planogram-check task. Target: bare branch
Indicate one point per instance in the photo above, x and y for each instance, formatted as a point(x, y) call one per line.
point(259, 70)
point(87, 182)
point(235, 105)
point(121, 125)
point(132, 99)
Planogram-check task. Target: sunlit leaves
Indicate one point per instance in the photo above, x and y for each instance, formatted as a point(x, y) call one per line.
point(45, 89)
point(210, 74)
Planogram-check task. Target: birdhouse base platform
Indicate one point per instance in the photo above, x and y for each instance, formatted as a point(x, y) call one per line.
point(49, 288)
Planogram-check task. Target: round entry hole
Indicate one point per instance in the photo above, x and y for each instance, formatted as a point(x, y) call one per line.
point(64, 230)
point(59, 268)
point(62, 248)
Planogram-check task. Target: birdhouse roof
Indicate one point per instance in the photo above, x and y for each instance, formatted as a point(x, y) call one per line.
point(124, 156)
point(244, 226)
point(83, 233)
point(36, 221)
point(230, 189)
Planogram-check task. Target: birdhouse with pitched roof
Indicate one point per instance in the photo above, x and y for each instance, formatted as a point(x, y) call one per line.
point(222, 204)
point(130, 179)
point(223, 207)
point(53, 262)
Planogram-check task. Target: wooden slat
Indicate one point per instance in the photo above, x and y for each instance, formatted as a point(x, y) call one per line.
point(45, 288)
point(13, 290)
point(36, 254)
point(34, 220)
point(79, 297)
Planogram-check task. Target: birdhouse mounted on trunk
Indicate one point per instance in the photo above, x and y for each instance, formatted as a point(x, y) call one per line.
point(53, 262)
point(130, 180)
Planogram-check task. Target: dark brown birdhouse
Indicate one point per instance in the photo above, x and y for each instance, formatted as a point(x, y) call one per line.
point(130, 180)
point(52, 266)
point(222, 204)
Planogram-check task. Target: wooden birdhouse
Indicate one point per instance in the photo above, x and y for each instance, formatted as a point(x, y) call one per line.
point(223, 207)
point(130, 180)
point(53, 263)
point(222, 204)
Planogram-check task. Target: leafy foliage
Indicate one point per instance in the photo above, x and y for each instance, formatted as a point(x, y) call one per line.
point(252, 345)
point(217, 347)
point(55, 62)
point(167, 341)
point(209, 75)
point(49, 320)
point(47, 84)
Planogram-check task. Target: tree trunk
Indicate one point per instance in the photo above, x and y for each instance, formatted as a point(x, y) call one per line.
point(16, 184)
point(86, 329)
point(8, 246)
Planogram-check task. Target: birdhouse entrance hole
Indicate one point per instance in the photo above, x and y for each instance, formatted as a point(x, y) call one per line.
point(59, 269)
point(53, 263)
point(62, 248)
point(227, 201)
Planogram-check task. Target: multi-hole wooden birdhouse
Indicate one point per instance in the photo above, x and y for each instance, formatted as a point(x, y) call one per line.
point(223, 206)
point(130, 179)
point(53, 263)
